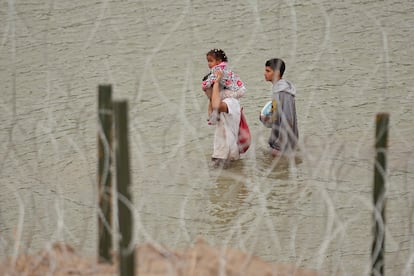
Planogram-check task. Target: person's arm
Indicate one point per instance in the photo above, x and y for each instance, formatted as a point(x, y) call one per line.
point(221, 106)
point(216, 103)
point(215, 96)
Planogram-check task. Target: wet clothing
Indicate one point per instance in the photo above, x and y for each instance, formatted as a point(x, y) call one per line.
point(227, 128)
point(284, 135)
point(230, 82)
point(227, 131)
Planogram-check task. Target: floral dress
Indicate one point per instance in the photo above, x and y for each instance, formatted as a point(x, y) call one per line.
point(231, 86)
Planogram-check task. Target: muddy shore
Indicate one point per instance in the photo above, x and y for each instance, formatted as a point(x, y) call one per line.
point(201, 259)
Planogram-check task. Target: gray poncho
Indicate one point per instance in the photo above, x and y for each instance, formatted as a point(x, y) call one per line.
point(284, 135)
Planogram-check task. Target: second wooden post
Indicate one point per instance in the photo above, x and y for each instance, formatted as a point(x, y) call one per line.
point(125, 219)
point(380, 169)
point(104, 172)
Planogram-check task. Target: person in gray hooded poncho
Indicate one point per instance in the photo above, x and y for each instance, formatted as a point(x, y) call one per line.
point(284, 135)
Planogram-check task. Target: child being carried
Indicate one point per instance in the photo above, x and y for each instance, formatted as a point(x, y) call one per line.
point(231, 86)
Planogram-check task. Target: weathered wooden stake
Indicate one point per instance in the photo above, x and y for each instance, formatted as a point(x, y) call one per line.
point(125, 220)
point(381, 141)
point(104, 172)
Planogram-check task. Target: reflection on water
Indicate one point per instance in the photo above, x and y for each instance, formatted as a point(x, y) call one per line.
point(314, 211)
point(226, 198)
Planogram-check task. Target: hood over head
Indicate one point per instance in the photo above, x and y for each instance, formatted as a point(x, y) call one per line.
point(284, 86)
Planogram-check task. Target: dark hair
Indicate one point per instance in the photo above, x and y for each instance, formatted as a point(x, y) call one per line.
point(276, 64)
point(217, 54)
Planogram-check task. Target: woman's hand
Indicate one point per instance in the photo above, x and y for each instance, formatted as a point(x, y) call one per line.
point(219, 75)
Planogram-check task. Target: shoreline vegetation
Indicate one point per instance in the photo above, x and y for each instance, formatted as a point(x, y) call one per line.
point(151, 260)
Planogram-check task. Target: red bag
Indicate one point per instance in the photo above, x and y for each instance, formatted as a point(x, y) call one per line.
point(244, 138)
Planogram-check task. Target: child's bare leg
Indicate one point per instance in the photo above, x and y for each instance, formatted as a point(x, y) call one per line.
point(215, 96)
point(208, 92)
point(214, 117)
point(215, 104)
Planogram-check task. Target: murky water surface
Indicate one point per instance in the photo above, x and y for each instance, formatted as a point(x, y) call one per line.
point(349, 61)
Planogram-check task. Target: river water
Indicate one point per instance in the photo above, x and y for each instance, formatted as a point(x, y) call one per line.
point(349, 60)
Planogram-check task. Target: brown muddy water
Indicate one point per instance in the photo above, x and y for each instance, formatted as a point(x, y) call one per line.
point(348, 59)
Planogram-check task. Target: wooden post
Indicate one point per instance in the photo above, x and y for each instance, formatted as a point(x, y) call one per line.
point(104, 172)
point(125, 220)
point(381, 141)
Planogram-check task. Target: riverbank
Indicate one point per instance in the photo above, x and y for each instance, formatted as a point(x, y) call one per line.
point(201, 259)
